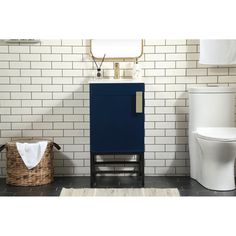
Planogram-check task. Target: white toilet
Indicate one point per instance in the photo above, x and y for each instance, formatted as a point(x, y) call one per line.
point(212, 136)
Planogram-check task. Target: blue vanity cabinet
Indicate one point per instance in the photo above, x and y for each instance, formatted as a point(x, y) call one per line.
point(115, 126)
point(116, 120)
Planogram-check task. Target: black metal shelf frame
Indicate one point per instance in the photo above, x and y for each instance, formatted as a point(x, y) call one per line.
point(94, 164)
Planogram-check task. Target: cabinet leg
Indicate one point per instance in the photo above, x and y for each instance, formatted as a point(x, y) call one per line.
point(92, 170)
point(142, 168)
point(140, 165)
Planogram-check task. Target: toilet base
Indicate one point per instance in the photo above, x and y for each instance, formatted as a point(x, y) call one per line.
point(214, 189)
point(216, 165)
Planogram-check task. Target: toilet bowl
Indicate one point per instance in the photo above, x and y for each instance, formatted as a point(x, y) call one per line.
point(217, 153)
point(212, 136)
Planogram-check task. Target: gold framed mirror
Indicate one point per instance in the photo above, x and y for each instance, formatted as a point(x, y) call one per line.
point(116, 49)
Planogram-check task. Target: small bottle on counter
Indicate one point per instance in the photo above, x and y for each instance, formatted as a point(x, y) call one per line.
point(117, 70)
point(137, 72)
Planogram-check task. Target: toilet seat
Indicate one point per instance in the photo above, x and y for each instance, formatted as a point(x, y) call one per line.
point(222, 134)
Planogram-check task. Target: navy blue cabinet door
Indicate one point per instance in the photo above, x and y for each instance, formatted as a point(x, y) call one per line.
point(115, 127)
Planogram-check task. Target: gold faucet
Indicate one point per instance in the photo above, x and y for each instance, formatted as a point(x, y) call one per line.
point(117, 70)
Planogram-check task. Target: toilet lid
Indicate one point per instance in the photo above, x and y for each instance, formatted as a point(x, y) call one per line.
point(217, 133)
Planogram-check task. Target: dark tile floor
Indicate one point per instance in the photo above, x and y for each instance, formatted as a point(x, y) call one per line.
point(186, 186)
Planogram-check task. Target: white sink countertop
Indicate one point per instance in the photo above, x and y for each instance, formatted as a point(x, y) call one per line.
point(114, 81)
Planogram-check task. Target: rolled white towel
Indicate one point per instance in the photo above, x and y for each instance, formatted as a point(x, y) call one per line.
point(31, 153)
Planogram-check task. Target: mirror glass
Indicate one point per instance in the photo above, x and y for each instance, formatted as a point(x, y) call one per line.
point(117, 48)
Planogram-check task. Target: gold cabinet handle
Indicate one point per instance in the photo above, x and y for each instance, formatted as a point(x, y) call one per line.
point(139, 102)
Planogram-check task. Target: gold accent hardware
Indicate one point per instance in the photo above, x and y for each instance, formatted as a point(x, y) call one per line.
point(139, 102)
point(116, 58)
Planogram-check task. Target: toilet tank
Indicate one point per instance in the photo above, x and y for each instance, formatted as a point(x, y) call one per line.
point(211, 107)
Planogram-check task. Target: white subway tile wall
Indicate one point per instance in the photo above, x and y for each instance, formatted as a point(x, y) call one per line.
point(44, 92)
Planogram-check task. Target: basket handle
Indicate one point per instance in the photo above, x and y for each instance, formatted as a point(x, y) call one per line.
point(55, 145)
point(2, 147)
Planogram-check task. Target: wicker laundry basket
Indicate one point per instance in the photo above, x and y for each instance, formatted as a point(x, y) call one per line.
point(18, 174)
